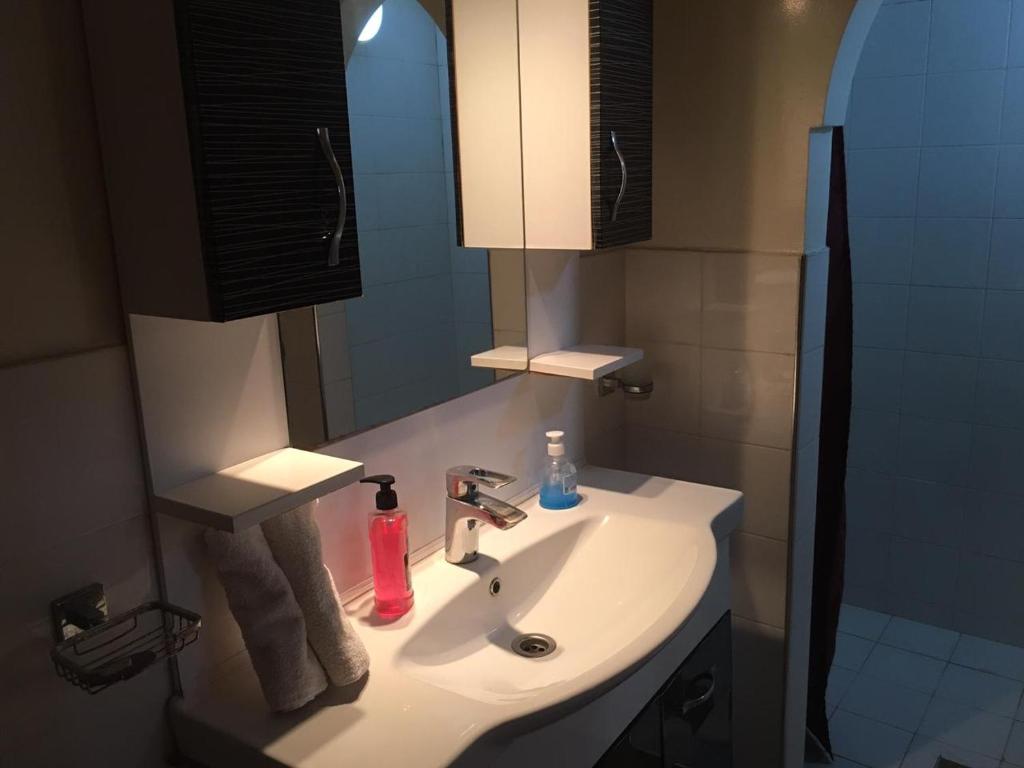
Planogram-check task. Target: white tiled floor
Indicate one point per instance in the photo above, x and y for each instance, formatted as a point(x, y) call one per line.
point(901, 694)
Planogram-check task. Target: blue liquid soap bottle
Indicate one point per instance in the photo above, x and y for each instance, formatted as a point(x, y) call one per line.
point(558, 483)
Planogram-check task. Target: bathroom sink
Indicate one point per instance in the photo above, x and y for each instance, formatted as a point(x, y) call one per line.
point(592, 584)
point(588, 596)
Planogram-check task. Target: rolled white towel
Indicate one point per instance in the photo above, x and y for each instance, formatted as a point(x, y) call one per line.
point(274, 630)
point(294, 539)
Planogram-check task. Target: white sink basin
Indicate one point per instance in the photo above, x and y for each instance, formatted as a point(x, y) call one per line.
point(610, 581)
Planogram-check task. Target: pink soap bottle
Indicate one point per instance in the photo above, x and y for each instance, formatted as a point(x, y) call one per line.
point(389, 550)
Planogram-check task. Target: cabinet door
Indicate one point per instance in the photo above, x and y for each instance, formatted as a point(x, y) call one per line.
point(265, 94)
point(621, 103)
point(697, 705)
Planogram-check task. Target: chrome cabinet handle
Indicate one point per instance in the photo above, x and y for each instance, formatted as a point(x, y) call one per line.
point(625, 177)
point(334, 252)
point(691, 704)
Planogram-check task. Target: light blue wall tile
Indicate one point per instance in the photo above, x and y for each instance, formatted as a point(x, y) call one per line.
point(1016, 58)
point(933, 512)
point(867, 565)
point(997, 461)
point(1010, 191)
point(930, 449)
point(877, 378)
point(898, 41)
point(957, 181)
point(874, 437)
point(939, 386)
point(1002, 335)
point(923, 571)
point(885, 112)
point(881, 249)
point(869, 500)
point(968, 34)
point(945, 320)
point(997, 526)
point(407, 145)
point(1000, 400)
point(880, 315)
point(367, 209)
point(952, 252)
point(1013, 110)
point(472, 297)
point(413, 199)
point(882, 182)
point(964, 108)
point(407, 32)
point(1006, 266)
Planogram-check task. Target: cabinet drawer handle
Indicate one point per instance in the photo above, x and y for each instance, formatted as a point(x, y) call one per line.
point(625, 177)
point(334, 252)
point(699, 701)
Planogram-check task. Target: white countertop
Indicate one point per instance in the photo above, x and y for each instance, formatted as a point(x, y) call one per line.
point(405, 719)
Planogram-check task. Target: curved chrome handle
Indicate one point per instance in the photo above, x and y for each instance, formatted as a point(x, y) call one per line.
point(334, 252)
point(691, 704)
point(625, 176)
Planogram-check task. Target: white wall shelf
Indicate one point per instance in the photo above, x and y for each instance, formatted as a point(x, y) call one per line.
point(589, 362)
point(246, 494)
point(502, 358)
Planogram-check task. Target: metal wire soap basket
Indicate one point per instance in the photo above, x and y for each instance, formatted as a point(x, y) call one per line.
point(125, 645)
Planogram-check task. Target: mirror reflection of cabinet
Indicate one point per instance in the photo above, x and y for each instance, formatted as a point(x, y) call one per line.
point(554, 108)
point(226, 148)
point(428, 306)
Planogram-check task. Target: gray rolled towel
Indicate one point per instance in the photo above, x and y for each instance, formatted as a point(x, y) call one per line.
point(272, 624)
point(294, 539)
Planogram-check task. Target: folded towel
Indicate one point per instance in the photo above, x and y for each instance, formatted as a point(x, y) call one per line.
point(263, 604)
point(294, 539)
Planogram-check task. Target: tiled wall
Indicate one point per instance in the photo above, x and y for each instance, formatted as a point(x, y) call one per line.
point(426, 301)
point(936, 163)
point(719, 333)
point(72, 495)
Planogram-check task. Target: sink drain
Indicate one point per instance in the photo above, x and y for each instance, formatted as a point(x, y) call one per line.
point(534, 646)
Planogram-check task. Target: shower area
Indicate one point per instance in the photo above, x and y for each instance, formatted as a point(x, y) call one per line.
point(930, 657)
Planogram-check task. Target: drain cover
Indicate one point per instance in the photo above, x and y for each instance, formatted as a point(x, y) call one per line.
point(534, 646)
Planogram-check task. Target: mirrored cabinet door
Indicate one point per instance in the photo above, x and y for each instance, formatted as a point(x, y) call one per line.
point(582, 72)
point(430, 308)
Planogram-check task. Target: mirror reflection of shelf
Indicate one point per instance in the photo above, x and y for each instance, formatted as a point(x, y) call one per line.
point(589, 362)
point(246, 494)
point(502, 358)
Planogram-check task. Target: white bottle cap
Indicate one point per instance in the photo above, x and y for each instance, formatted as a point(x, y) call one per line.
point(555, 445)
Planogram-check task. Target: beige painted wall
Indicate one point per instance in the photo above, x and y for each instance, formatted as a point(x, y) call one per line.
point(59, 292)
point(738, 85)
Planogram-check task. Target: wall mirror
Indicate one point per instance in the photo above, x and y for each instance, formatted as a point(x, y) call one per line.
point(428, 305)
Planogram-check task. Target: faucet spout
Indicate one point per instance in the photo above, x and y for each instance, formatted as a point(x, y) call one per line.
point(466, 508)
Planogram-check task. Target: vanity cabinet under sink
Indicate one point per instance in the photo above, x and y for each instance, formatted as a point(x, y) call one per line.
point(689, 723)
point(553, 103)
point(225, 139)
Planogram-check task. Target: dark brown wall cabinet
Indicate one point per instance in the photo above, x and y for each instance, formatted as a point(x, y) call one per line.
point(225, 138)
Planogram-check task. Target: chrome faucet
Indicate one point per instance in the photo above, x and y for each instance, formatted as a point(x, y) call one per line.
point(466, 508)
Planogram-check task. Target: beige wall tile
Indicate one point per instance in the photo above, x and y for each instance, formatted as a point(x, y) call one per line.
point(759, 578)
point(748, 397)
point(675, 402)
point(731, 157)
point(662, 297)
point(750, 301)
point(762, 474)
point(60, 287)
point(603, 298)
point(660, 452)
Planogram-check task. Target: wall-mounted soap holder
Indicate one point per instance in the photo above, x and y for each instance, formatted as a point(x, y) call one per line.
point(633, 390)
point(95, 650)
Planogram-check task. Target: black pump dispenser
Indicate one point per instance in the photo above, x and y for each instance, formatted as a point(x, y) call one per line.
point(387, 499)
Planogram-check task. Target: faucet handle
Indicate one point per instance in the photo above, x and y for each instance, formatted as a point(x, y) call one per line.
point(461, 481)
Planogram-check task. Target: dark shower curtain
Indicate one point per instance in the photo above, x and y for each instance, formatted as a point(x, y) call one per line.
point(836, 399)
